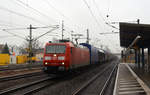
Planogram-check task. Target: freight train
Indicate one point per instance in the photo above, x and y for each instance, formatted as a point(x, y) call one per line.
point(65, 55)
point(96, 56)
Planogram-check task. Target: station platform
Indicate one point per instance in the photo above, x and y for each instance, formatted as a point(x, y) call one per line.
point(142, 73)
point(128, 83)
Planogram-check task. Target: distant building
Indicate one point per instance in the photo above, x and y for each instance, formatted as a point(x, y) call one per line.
point(39, 54)
point(14, 50)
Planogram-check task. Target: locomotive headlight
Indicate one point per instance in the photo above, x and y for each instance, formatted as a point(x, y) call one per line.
point(63, 63)
point(46, 63)
point(47, 58)
point(61, 58)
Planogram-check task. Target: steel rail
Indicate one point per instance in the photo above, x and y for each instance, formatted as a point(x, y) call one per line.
point(23, 86)
point(107, 81)
point(14, 77)
point(90, 81)
point(38, 88)
point(7, 68)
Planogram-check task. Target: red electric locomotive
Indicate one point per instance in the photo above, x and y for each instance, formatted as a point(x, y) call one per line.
point(65, 56)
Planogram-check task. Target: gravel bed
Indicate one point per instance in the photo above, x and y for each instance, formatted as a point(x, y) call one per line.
point(11, 83)
point(68, 85)
point(20, 66)
point(96, 86)
point(109, 90)
point(18, 72)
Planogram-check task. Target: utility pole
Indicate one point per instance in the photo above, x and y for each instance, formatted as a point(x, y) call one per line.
point(87, 36)
point(77, 36)
point(72, 35)
point(29, 39)
point(62, 29)
point(30, 42)
point(138, 21)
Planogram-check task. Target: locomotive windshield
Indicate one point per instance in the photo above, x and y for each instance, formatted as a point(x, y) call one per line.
point(55, 49)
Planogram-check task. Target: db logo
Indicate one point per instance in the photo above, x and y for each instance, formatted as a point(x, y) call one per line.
point(55, 58)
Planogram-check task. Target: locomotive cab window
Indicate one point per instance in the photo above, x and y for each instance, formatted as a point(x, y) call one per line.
point(55, 49)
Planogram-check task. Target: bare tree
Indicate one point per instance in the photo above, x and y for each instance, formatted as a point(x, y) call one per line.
point(36, 44)
point(6, 49)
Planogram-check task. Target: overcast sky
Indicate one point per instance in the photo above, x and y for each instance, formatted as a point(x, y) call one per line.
point(78, 15)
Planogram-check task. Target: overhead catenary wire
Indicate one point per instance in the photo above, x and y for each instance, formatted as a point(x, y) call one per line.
point(6, 30)
point(59, 12)
point(9, 24)
point(69, 34)
point(46, 32)
point(103, 17)
point(112, 26)
point(28, 28)
point(68, 29)
point(47, 2)
point(6, 25)
point(91, 12)
point(14, 28)
point(109, 3)
point(109, 33)
point(5, 36)
point(22, 15)
point(13, 34)
point(42, 14)
point(22, 4)
point(54, 35)
point(99, 11)
point(73, 31)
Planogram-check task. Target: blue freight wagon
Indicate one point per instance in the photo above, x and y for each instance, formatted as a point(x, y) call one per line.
point(94, 59)
point(101, 55)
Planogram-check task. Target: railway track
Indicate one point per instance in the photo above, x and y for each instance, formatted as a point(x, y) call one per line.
point(82, 90)
point(104, 89)
point(15, 72)
point(40, 80)
point(14, 77)
point(20, 67)
point(10, 85)
point(46, 82)
point(28, 88)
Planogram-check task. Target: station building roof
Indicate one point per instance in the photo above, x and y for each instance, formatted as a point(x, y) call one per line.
point(129, 31)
